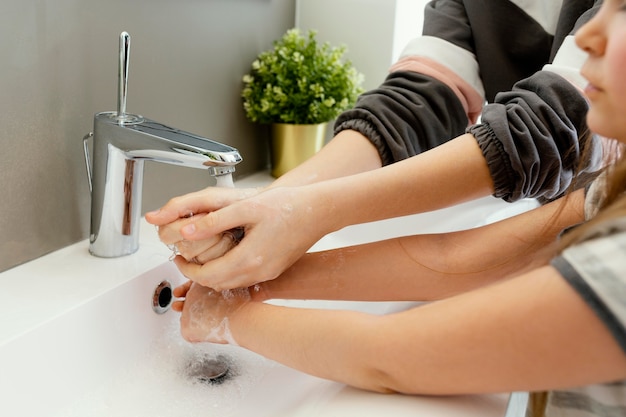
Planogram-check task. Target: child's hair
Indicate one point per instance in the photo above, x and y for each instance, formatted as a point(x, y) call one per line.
point(613, 202)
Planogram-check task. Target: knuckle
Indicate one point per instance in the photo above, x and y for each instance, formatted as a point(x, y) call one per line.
point(211, 220)
point(175, 201)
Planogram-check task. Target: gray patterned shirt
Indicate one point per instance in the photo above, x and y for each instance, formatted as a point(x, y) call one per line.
point(596, 269)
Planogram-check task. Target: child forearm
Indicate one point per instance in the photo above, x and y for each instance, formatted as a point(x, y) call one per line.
point(295, 337)
point(463, 345)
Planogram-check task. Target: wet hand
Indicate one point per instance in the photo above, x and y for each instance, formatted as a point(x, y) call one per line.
point(206, 312)
point(200, 251)
point(184, 207)
point(182, 211)
point(280, 225)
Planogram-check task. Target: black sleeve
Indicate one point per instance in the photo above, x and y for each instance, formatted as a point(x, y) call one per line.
point(533, 138)
point(408, 114)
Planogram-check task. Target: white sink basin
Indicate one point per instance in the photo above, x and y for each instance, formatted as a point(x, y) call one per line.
point(78, 337)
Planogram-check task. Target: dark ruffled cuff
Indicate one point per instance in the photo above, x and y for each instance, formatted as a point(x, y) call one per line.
point(501, 170)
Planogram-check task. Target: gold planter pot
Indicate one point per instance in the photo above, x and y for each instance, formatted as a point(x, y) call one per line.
point(293, 144)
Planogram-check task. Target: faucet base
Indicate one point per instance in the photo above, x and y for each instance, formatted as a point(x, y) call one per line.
point(115, 220)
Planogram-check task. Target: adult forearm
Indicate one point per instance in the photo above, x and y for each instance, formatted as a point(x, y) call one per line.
point(449, 174)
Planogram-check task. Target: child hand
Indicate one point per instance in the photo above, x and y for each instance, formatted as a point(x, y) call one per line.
point(206, 312)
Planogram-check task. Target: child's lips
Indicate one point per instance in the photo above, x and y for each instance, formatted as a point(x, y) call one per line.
point(592, 89)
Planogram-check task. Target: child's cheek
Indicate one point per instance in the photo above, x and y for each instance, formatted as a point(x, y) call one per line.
point(616, 63)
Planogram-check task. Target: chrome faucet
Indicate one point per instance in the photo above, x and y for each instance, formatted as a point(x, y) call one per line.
point(121, 144)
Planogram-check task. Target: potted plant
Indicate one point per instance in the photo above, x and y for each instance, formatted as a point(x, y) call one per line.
point(298, 87)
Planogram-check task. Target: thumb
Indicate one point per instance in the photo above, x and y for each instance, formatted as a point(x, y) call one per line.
point(213, 223)
point(184, 206)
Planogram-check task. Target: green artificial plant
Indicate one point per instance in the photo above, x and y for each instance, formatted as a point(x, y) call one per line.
point(300, 81)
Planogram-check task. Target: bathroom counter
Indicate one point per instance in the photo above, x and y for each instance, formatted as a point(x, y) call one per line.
point(72, 322)
point(49, 286)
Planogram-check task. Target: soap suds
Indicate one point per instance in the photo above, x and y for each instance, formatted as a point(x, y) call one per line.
point(217, 330)
point(158, 384)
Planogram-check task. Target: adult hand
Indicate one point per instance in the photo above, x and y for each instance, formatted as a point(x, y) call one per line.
point(183, 210)
point(280, 225)
point(206, 312)
point(200, 251)
point(179, 210)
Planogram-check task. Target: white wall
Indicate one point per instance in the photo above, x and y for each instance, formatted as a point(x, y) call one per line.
point(408, 23)
point(374, 31)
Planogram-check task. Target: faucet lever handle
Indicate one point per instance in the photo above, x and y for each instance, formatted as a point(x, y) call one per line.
point(123, 75)
point(88, 159)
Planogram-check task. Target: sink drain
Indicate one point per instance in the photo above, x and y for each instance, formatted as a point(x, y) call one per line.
point(209, 371)
point(162, 297)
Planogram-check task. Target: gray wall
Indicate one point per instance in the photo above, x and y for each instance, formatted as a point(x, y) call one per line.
point(58, 63)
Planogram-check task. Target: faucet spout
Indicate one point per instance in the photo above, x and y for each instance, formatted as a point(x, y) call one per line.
point(146, 139)
point(120, 147)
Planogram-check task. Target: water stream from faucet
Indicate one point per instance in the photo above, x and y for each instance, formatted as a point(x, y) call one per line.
point(225, 180)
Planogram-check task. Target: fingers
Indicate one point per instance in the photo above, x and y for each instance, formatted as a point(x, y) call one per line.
point(223, 274)
point(170, 233)
point(188, 269)
point(181, 207)
point(225, 243)
point(180, 292)
point(204, 201)
point(213, 223)
point(201, 226)
point(205, 250)
point(200, 249)
point(178, 306)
